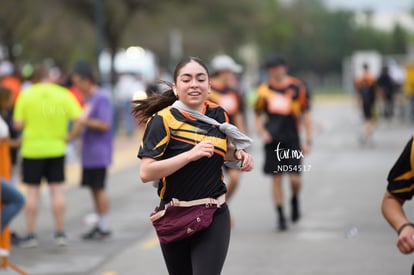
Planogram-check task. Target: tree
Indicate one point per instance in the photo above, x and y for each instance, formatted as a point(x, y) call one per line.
point(13, 25)
point(399, 40)
point(110, 19)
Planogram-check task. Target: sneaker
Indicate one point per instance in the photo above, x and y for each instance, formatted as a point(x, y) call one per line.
point(282, 226)
point(61, 239)
point(29, 241)
point(96, 234)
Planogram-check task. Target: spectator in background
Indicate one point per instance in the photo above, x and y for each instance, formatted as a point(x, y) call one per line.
point(398, 76)
point(27, 75)
point(9, 79)
point(11, 199)
point(366, 95)
point(125, 89)
point(282, 106)
point(224, 91)
point(96, 144)
point(43, 112)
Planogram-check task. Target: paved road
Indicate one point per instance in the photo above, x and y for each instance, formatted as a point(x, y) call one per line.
point(342, 230)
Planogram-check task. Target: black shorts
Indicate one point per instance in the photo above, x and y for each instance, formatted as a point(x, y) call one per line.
point(52, 169)
point(283, 157)
point(94, 177)
point(367, 110)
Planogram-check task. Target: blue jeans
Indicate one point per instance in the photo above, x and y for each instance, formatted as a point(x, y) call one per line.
point(13, 202)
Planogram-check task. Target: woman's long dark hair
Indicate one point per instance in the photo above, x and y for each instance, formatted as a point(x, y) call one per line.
point(144, 108)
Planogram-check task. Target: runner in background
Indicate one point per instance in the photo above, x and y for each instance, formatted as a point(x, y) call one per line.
point(225, 92)
point(282, 105)
point(386, 88)
point(366, 95)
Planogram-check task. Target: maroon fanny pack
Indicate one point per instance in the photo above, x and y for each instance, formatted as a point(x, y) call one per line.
point(181, 219)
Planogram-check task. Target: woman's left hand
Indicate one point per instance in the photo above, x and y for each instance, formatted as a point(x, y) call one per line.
point(246, 159)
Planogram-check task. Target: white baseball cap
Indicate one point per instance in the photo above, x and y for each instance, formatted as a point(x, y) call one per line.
point(6, 68)
point(225, 63)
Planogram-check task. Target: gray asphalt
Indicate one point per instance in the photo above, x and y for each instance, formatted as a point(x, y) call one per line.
point(341, 232)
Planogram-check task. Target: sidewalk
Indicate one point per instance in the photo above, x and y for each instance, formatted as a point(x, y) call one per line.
point(81, 257)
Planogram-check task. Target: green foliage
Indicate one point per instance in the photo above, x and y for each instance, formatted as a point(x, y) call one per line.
point(312, 37)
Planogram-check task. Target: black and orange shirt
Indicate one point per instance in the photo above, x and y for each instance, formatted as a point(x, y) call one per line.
point(365, 86)
point(401, 175)
point(283, 106)
point(171, 132)
point(229, 99)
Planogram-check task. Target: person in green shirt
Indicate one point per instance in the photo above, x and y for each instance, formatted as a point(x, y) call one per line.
point(43, 112)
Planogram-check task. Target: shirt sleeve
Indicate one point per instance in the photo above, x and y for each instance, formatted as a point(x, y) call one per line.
point(18, 109)
point(401, 176)
point(155, 139)
point(74, 109)
point(260, 103)
point(306, 106)
point(104, 110)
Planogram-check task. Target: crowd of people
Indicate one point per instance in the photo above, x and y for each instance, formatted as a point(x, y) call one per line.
point(48, 112)
point(43, 116)
point(380, 97)
point(196, 125)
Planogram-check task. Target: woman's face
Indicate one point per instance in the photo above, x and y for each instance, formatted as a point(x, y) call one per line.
point(192, 85)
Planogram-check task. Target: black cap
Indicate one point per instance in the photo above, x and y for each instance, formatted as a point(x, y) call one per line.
point(84, 70)
point(275, 61)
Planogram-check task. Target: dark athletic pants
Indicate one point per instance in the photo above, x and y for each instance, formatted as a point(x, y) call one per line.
point(203, 253)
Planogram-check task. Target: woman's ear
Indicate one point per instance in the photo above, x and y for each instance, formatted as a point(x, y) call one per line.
point(174, 90)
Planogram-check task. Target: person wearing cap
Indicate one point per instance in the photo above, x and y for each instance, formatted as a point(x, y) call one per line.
point(44, 112)
point(224, 91)
point(95, 125)
point(282, 104)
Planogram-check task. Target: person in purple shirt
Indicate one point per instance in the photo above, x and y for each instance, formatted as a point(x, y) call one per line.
point(95, 126)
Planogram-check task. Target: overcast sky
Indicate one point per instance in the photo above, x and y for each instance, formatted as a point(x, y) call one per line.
point(376, 5)
point(386, 12)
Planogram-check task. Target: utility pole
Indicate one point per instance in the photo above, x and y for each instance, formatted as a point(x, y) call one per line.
point(100, 36)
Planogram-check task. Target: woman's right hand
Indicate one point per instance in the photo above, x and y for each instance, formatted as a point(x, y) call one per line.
point(203, 149)
point(405, 241)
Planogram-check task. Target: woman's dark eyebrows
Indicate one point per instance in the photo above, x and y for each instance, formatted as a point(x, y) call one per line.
point(197, 75)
